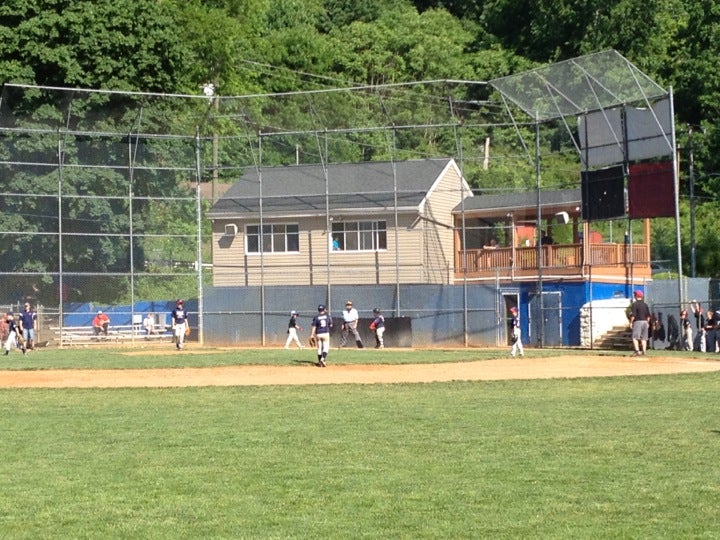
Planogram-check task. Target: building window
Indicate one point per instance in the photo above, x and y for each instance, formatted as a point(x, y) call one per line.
point(359, 236)
point(275, 238)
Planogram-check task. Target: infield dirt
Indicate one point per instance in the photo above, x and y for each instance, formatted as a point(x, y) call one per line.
point(305, 374)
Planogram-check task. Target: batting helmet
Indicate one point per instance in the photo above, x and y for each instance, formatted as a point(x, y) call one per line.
point(321, 307)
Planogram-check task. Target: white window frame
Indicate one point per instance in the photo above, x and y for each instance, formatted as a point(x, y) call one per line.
point(273, 234)
point(359, 236)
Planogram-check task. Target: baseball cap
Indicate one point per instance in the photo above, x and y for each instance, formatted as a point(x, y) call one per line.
point(348, 303)
point(513, 309)
point(99, 312)
point(376, 310)
point(321, 307)
point(179, 301)
point(639, 294)
point(293, 312)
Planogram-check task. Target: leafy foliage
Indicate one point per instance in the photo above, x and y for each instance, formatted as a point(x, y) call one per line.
point(266, 46)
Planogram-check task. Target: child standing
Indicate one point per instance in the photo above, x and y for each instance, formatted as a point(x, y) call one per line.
point(14, 337)
point(517, 346)
point(378, 326)
point(292, 331)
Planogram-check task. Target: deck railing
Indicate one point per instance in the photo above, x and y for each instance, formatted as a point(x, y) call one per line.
point(566, 256)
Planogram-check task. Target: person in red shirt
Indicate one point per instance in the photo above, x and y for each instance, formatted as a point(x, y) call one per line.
point(101, 323)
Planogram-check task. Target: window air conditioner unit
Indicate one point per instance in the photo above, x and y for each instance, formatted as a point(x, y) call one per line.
point(231, 229)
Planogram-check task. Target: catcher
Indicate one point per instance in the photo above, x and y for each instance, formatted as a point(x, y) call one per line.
point(14, 336)
point(320, 334)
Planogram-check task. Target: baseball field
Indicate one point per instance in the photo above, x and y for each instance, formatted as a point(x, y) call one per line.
point(260, 443)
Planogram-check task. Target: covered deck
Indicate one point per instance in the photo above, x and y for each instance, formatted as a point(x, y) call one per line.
point(497, 237)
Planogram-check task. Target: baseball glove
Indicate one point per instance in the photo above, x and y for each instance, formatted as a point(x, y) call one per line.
point(312, 341)
point(187, 330)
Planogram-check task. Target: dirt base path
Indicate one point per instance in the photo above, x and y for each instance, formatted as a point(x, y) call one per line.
point(488, 370)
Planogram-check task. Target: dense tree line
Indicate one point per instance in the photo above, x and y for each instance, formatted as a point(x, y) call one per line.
point(258, 46)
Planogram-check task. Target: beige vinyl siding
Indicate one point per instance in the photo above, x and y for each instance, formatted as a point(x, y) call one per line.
point(421, 251)
point(233, 267)
point(439, 235)
point(228, 255)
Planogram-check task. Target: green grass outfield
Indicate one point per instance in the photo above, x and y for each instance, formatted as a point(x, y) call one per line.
point(622, 457)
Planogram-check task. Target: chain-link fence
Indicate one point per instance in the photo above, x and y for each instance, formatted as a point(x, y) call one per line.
point(104, 193)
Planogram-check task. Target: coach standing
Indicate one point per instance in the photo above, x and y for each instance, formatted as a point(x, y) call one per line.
point(639, 323)
point(27, 323)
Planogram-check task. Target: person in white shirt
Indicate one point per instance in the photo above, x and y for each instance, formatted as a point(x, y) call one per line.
point(149, 324)
point(350, 322)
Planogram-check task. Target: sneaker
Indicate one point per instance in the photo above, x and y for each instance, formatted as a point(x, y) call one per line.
point(637, 353)
point(321, 363)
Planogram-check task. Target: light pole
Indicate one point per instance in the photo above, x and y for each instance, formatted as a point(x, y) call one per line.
point(691, 169)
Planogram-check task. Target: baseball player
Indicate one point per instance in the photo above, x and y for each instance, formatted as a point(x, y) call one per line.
point(516, 338)
point(292, 331)
point(378, 326)
point(179, 323)
point(350, 322)
point(320, 332)
point(14, 337)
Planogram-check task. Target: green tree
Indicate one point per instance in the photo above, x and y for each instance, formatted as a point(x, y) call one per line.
point(112, 44)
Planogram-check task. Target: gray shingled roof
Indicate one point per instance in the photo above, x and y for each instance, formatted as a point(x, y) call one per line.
point(522, 204)
point(301, 189)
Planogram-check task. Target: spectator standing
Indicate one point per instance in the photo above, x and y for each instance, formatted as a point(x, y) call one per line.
point(3, 328)
point(28, 320)
point(320, 331)
point(350, 323)
point(515, 335)
point(101, 323)
point(378, 327)
point(699, 344)
point(711, 330)
point(13, 333)
point(640, 323)
point(149, 324)
point(686, 329)
point(179, 324)
point(292, 331)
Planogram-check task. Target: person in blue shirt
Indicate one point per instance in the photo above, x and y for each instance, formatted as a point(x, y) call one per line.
point(14, 336)
point(320, 330)
point(516, 338)
point(292, 331)
point(27, 324)
point(378, 327)
point(178, 317)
